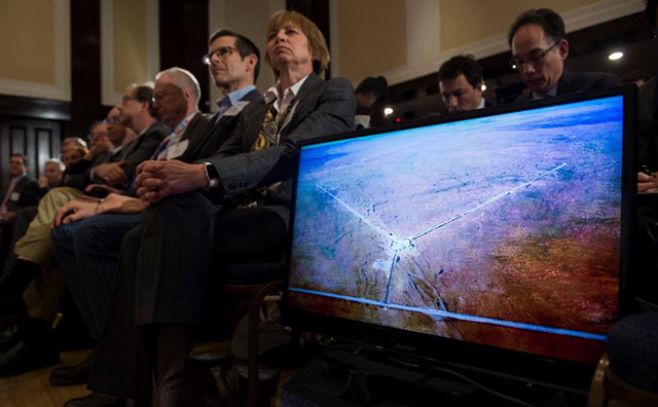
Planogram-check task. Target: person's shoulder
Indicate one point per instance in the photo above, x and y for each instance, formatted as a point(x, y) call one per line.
point(157, 129)
point(26, 182)
point(253, 96)
point(340, 83)
point(586, 81)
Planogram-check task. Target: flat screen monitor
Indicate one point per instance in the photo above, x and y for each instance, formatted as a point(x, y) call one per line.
point(497, 235)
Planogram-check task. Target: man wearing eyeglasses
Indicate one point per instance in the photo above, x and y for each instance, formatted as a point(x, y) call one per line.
point(539, 49)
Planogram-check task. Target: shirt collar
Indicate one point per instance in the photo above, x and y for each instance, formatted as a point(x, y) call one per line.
point(234, 97)
point(482, 104)
point(272, 94)
point(180, 127)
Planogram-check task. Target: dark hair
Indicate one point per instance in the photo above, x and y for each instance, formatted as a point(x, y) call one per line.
point(462, 65)
point(144, 94)
point(22, 156)
point(547, 19)
point(377, 86)
point(244, 45)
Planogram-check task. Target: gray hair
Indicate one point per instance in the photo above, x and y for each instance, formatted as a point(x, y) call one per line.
point(57, 161)
point(183, 79)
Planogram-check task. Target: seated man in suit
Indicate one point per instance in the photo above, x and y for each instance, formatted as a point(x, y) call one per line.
point(164, 263)
point(233, 61)
point(460, 84)
point(34, 249)
point(21, 192)
point(539, 49)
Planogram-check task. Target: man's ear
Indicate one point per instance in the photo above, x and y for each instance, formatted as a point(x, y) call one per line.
point(251, 60)
point(563, 48)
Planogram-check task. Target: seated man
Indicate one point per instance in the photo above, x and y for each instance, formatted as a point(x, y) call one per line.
point(34, 250)
point(21, 192)
point(539, 49)
point(460, 84)
point(53, 173)
point(88, 249)
point(164, 263)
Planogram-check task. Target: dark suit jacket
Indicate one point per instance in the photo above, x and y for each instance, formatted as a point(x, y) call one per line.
point(580, 82)
point(138, 150)
point(572, 82)
point(27, 191)
point(216, 133)
point(141, 148)
point(324, 108)
point(195, 130)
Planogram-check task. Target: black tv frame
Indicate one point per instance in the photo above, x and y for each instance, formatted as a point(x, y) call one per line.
point(527, 367)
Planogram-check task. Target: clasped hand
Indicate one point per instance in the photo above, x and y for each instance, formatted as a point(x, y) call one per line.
point(159, 179)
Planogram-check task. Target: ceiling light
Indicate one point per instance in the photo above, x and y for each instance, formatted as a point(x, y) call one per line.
point(387, 111)
point(615, 56)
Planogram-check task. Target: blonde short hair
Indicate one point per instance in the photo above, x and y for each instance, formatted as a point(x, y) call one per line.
point(316, 41)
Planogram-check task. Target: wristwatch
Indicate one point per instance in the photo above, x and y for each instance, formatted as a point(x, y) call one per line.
point(211, 175)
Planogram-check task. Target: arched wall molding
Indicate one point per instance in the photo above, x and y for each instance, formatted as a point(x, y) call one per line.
point(109, 95)
point(423, 30)
point(61, 89)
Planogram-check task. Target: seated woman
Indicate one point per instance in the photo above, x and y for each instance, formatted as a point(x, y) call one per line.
point(165, 263)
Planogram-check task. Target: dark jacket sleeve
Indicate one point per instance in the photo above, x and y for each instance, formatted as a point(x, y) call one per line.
point(148, 142)
point(29, 194)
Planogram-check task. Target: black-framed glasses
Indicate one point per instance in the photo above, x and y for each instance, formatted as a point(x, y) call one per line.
point(222, 52)
point(534, 58)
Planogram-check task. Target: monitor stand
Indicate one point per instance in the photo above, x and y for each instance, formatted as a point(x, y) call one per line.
point(352, 375)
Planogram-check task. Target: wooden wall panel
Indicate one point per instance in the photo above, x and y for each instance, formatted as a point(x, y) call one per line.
point(37, 139)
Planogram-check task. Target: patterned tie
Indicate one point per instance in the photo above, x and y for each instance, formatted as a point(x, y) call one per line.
point(269, 131)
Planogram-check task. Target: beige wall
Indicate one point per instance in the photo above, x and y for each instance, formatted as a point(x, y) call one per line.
point(130, 43)
point(27, 46)
point(406, 39)
point(466, 21)
point(249, 18)
point(372, 36)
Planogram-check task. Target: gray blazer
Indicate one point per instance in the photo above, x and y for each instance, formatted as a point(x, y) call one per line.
point(324, 108)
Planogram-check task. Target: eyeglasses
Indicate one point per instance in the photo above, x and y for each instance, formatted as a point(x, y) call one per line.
point(111, 120)
point(534, 59)
point(221, 52)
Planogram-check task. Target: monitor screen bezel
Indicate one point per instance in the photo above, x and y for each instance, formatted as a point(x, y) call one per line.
point(512, 363)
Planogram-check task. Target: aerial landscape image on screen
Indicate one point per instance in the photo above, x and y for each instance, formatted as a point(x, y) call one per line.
point(502, 230)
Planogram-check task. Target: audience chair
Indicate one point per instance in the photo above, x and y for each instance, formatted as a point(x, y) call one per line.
point(628, 373)
point(252, 284)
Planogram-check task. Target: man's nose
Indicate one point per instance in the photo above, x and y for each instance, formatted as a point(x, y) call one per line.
point(527, 68)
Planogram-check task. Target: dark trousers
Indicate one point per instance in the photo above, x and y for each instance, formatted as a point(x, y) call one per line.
point(11, 232)
point(164, 278)
point(88, 253)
